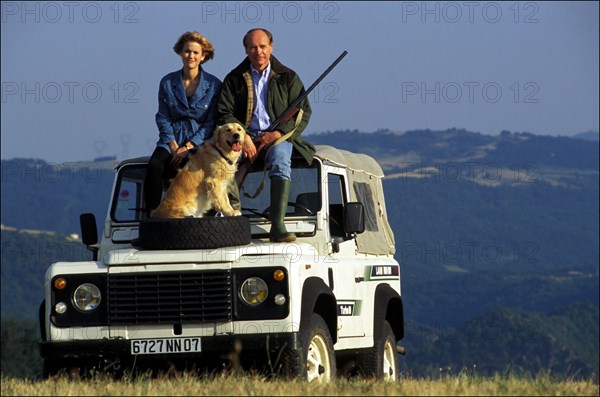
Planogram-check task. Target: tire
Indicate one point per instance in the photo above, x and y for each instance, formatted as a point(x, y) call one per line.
point(317, 361)
point(381, 361)
point(194, 233)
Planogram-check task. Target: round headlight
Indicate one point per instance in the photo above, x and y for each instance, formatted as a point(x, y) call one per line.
point(87, 297)
point(254, 291)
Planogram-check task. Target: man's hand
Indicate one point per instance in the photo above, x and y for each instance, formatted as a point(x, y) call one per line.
point(249, 149)
point(266, 139)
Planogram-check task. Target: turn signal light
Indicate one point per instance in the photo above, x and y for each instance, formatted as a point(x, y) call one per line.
point(60, 283)
point(278, 275)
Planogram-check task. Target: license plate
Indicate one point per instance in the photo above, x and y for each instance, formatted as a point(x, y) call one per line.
point(166, 345)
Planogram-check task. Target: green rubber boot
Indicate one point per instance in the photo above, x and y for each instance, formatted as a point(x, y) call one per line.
point(234, 195)
point(280, 191)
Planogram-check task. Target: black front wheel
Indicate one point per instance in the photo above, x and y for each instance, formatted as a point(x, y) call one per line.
point(316, 362)
point(381, 361)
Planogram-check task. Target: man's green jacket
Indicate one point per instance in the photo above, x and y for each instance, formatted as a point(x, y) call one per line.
point(236, 101)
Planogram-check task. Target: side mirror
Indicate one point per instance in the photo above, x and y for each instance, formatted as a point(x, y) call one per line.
point(89, 232)
point(354, 218)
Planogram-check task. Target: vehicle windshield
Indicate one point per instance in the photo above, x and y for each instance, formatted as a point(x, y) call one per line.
point(304, 198)
point(127, 199)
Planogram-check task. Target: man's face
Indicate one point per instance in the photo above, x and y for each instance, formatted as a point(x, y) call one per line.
point(258, 49)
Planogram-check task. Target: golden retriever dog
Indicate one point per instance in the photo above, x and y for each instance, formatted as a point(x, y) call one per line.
point(202, 182)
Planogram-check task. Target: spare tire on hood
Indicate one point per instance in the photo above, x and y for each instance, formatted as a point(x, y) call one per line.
point(194, 233)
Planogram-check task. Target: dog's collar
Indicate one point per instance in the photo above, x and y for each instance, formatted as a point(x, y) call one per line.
point(229, 161)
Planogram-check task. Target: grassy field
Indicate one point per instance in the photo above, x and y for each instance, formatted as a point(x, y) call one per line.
point(187, 385)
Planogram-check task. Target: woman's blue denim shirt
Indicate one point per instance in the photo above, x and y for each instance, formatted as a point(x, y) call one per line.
point(180, 121)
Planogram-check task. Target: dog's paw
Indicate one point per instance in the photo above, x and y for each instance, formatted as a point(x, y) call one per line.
point(231, 213)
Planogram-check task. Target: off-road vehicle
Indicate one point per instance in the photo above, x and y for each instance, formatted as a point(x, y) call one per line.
point(213, 291)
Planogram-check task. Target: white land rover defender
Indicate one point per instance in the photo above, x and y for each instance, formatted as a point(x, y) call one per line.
point(214, 291)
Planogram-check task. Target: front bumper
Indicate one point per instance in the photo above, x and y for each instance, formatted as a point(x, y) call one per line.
point(246, 345)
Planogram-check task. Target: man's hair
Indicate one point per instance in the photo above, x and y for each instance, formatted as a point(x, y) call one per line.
point(269, 35)
point(207, 48)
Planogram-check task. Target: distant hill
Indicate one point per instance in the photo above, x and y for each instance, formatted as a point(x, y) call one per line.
point(513, 151)
point(50, 196)
point(484, 221)
point(503, 226)
point(588, 136)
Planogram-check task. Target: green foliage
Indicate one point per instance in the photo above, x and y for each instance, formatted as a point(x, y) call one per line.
point(20, 356)
point(564, 343)
point(25, 257)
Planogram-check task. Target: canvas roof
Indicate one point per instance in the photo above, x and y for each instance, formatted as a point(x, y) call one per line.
point(343, 158)
point(365, 178)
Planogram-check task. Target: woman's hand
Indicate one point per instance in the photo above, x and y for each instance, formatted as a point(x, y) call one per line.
point(178, 155)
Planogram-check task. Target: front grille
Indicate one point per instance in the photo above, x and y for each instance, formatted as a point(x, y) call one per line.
point(169, 297)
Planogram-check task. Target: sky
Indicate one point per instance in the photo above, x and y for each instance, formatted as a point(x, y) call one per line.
point(80, 78)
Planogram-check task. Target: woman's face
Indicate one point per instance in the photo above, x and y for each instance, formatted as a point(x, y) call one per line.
point(192, 55)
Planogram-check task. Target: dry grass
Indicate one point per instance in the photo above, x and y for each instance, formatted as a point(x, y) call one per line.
point(188, 385)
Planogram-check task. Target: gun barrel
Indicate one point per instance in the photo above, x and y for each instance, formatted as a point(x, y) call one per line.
point(294, 107)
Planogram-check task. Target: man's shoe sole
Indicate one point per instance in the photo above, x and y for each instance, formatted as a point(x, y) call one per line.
point(283, 239)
